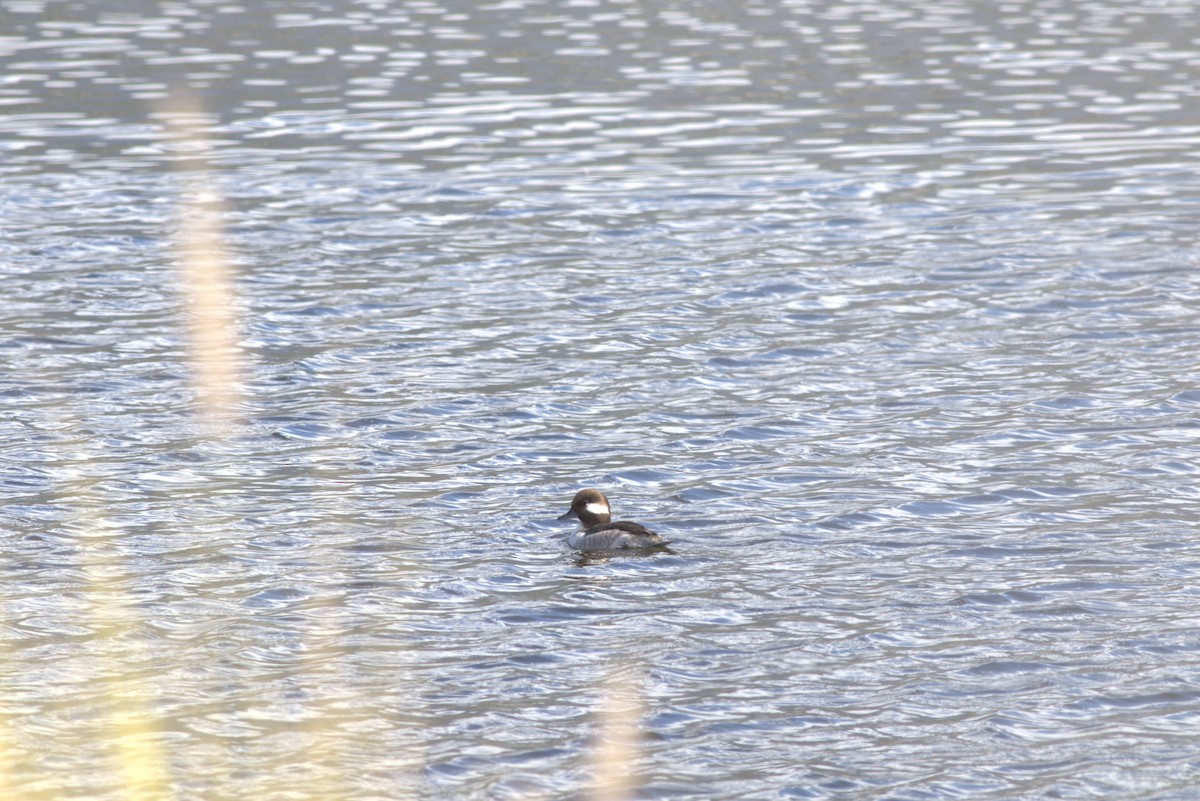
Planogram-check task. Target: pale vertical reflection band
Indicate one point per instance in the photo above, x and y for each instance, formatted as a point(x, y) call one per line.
point(206, 275)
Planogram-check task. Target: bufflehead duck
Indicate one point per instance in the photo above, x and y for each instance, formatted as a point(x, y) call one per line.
point(599, 533)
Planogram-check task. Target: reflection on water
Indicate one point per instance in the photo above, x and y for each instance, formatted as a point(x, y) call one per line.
point(883, 313)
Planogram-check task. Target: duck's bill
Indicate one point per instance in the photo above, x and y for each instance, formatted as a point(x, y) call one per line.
point(570, 514)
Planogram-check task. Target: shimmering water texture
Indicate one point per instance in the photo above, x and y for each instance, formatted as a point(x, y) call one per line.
point(884, 314)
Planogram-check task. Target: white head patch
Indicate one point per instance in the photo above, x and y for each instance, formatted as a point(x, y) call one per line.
point(597, 508)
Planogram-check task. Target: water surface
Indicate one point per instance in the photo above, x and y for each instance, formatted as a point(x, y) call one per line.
point(885, 314)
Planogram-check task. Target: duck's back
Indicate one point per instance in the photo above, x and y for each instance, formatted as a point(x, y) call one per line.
point(615, 536)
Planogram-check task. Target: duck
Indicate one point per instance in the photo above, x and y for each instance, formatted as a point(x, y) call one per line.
point(599, 532)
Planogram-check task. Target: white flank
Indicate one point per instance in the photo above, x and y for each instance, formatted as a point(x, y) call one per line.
point(597, 508)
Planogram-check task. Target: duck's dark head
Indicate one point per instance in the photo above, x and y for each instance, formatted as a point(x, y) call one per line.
point(591, 507)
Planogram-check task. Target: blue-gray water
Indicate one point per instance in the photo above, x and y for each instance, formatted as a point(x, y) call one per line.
point(885, 313)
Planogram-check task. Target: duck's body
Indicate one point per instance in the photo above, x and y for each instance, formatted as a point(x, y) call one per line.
point(600, 532)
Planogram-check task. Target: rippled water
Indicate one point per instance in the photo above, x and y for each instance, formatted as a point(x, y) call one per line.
point(885, 313)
